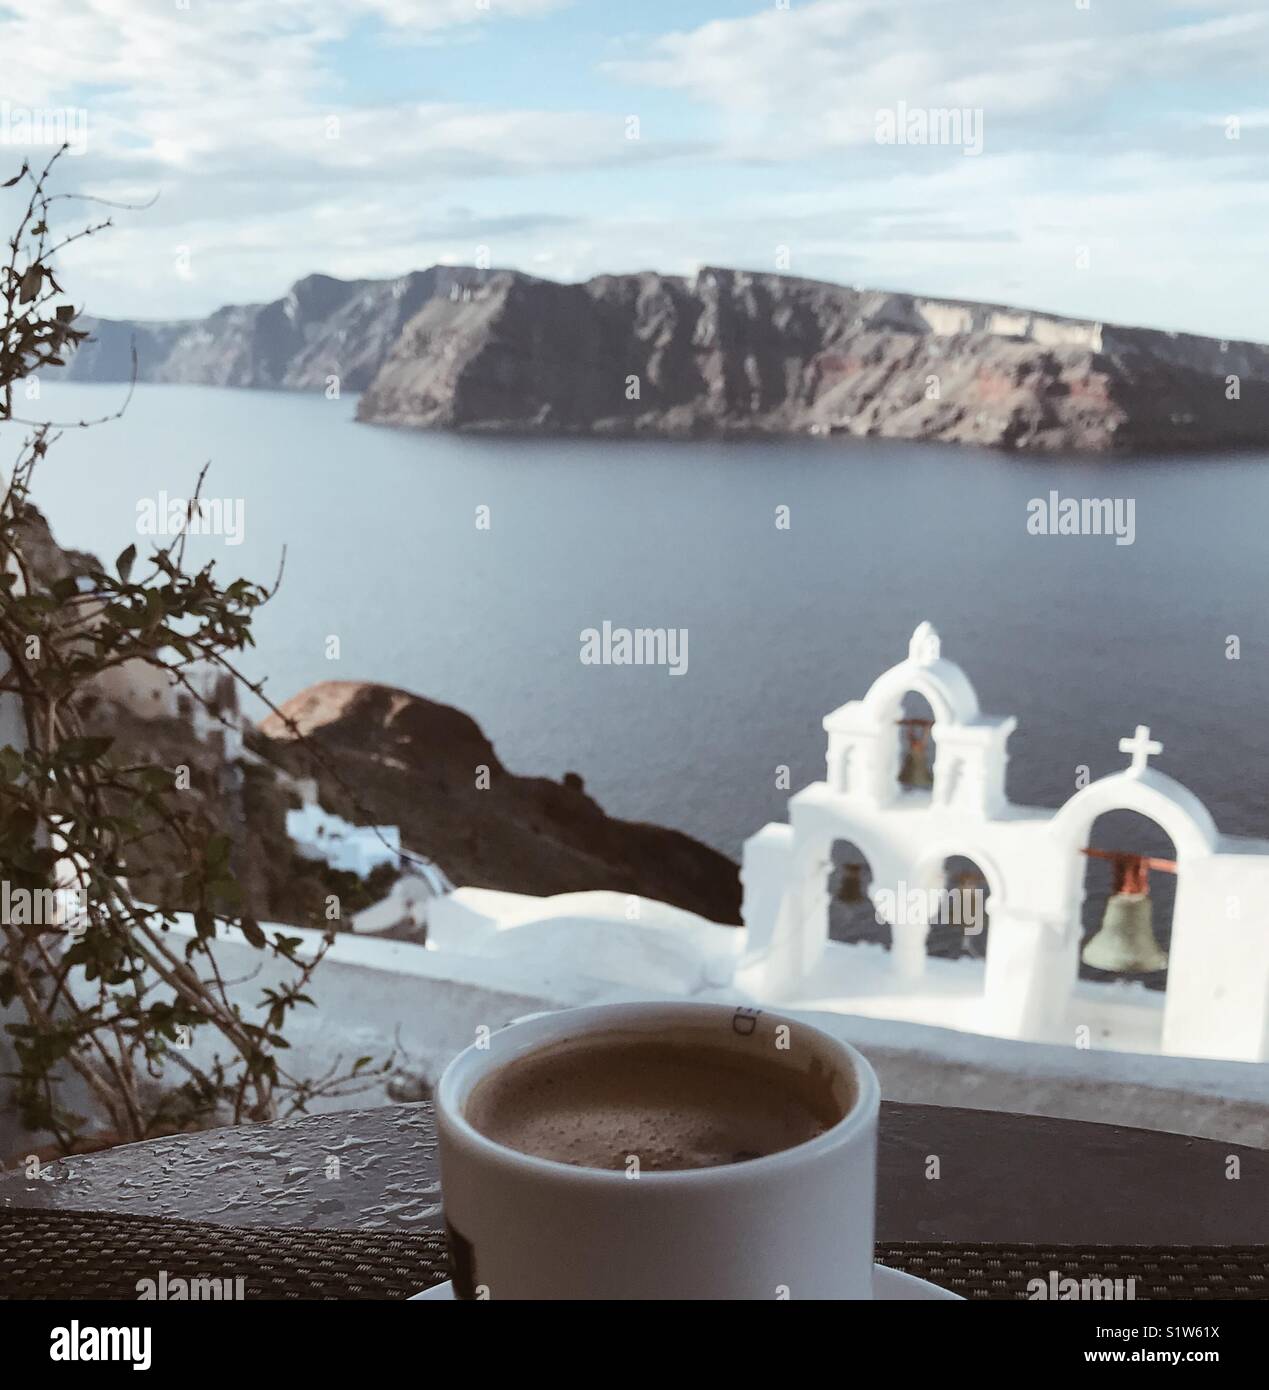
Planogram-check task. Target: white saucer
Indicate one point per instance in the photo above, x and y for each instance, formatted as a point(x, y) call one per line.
point(888, 1286)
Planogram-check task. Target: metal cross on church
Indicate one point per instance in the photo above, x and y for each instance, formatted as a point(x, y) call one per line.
point(1141, 746)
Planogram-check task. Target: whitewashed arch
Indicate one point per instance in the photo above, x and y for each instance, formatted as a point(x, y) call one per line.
point(954, 848)
point(942, 683)
point(873, 849)
point(818, 874)
point(1174, 808)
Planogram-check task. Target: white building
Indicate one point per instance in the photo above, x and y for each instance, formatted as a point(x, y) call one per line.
point(356, 849)
point(209, 704)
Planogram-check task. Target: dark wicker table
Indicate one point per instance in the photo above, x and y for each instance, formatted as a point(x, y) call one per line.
point(348, 1204)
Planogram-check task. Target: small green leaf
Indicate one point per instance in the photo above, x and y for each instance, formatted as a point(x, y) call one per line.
point(82, 750)
point(31, 283)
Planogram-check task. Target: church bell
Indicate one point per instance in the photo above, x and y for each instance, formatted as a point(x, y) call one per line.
point(850, 888)
point(1125, 944)
point(915, 771)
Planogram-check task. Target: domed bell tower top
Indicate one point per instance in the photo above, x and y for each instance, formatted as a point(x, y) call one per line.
point(864, 748)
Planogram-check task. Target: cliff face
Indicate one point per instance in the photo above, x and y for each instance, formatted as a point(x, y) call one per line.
point(323, 328)
point(726, 352)
point(416, 763)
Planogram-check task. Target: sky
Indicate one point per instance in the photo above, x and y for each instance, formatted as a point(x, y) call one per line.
point(1099, 158)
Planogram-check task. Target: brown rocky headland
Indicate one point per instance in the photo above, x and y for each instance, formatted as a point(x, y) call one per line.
point(722, 353)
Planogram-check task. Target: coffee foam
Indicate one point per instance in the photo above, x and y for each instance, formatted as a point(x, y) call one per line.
point(598, 1102)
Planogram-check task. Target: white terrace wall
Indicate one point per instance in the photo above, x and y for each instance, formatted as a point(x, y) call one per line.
point(1218, 1001)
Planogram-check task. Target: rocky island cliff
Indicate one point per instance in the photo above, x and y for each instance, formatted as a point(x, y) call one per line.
point(416, 762)
point(725, 352)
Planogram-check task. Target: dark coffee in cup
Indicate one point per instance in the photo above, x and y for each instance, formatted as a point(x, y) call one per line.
point(661, 1103)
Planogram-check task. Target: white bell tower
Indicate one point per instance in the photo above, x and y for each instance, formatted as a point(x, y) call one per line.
point(970, 748)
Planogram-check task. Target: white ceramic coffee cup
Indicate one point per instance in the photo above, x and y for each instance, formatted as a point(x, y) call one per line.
point(793, 1224)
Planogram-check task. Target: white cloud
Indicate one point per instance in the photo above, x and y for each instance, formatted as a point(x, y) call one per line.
point(821, 71)
point(448, 14)
point(225, 109)
point(233, 112)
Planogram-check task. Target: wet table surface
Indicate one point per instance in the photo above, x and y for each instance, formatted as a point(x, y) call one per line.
point(943, 1174)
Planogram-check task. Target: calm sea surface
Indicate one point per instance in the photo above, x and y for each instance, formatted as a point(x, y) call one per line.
point(1081, 638)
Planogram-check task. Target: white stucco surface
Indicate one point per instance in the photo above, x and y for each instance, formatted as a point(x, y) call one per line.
point(356, 849)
